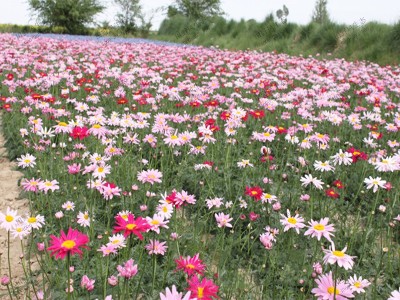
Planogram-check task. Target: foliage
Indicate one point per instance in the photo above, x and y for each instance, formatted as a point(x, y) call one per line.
point(129, 15)
point(72, 15)
point(198, 9)
point(320, 14)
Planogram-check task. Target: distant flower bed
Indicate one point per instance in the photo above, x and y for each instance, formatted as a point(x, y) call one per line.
point(157, 171)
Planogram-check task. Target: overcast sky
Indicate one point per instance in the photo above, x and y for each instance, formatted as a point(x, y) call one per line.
point(300, 11)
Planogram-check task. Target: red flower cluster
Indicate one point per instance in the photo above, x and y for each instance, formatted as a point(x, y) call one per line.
point(254, 192)
point(357, 154)
point(79, 133)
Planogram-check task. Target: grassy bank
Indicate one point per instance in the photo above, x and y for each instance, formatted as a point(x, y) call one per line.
point(372, 41)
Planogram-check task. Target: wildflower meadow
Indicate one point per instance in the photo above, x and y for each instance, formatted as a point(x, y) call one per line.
point(178, 172)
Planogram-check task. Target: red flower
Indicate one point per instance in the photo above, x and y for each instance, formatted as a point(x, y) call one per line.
point(190, 265)
point(357, 154)
point(212, 103)
point(68, 243)
point(204, 289)
point(225, 115)
point(79, 133)
point(338, 184)
point(128, 224)
point(281, 130)
point(122, 100)
point(257, 114)
point(331, 193)
point(254, 192)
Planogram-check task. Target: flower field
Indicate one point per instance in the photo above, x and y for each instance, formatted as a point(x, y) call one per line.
point(170, 172)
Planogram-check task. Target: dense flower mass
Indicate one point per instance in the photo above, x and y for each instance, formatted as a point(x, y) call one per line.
point(198, 173)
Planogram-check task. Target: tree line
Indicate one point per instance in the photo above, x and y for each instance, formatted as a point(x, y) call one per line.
point(74, 15)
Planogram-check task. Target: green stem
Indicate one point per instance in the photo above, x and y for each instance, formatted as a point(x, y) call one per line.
point(9, 261)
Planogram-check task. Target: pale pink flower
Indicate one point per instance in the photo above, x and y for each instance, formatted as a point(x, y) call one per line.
point(295, 222)
point(333, 256)
point(174, 294)
point(357, 284)
point(326, 288)
point(223, 220)
point(320, 229)
point(128, 270)
point(150, 176)
point(156, 247)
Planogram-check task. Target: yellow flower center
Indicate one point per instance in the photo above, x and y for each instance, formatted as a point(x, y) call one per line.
point(292, 220)
point(254, 193)
point(319, 227)
point(174, 137)
point(190, 266)
point(332, 290)
point(155, 222)
point(31, 220)
point(165, 209)
point(9, 218)
point(125, 217)
point(96, 126)
point(27, 161)
point(69, 244)
point(338, 253)
point(19, 229)
point(86, 217)
point(267, 134)
point(63, 124)
point(357, 284)
point(130, 226)
point(48, 183)
point(100, 169)
point(200, 292)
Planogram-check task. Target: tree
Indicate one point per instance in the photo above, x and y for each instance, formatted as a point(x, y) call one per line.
point(282, 14)
point(72, 15)
point(320, 14)
point(198, 9)
point(131, 12)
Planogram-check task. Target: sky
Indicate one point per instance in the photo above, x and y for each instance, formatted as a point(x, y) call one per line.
point(351, 12)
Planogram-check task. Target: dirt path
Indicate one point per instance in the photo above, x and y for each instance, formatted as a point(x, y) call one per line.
point(9, 197)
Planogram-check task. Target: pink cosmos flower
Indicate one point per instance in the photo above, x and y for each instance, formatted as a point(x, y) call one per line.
point(156, 247)
point(289, 222)
point(395, 295)
point(87, 283)
point(320, 229)
point(150, 176)
point(357, 284)
point(128, 270)
point(326, 289)
point(74, 168)
point(31, 185)
point(108, 249)
point(223, 220)
point(174, 295)
point(47, 185)
point(333, 256)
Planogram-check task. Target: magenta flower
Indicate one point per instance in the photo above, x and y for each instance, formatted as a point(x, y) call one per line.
point(69, 243)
